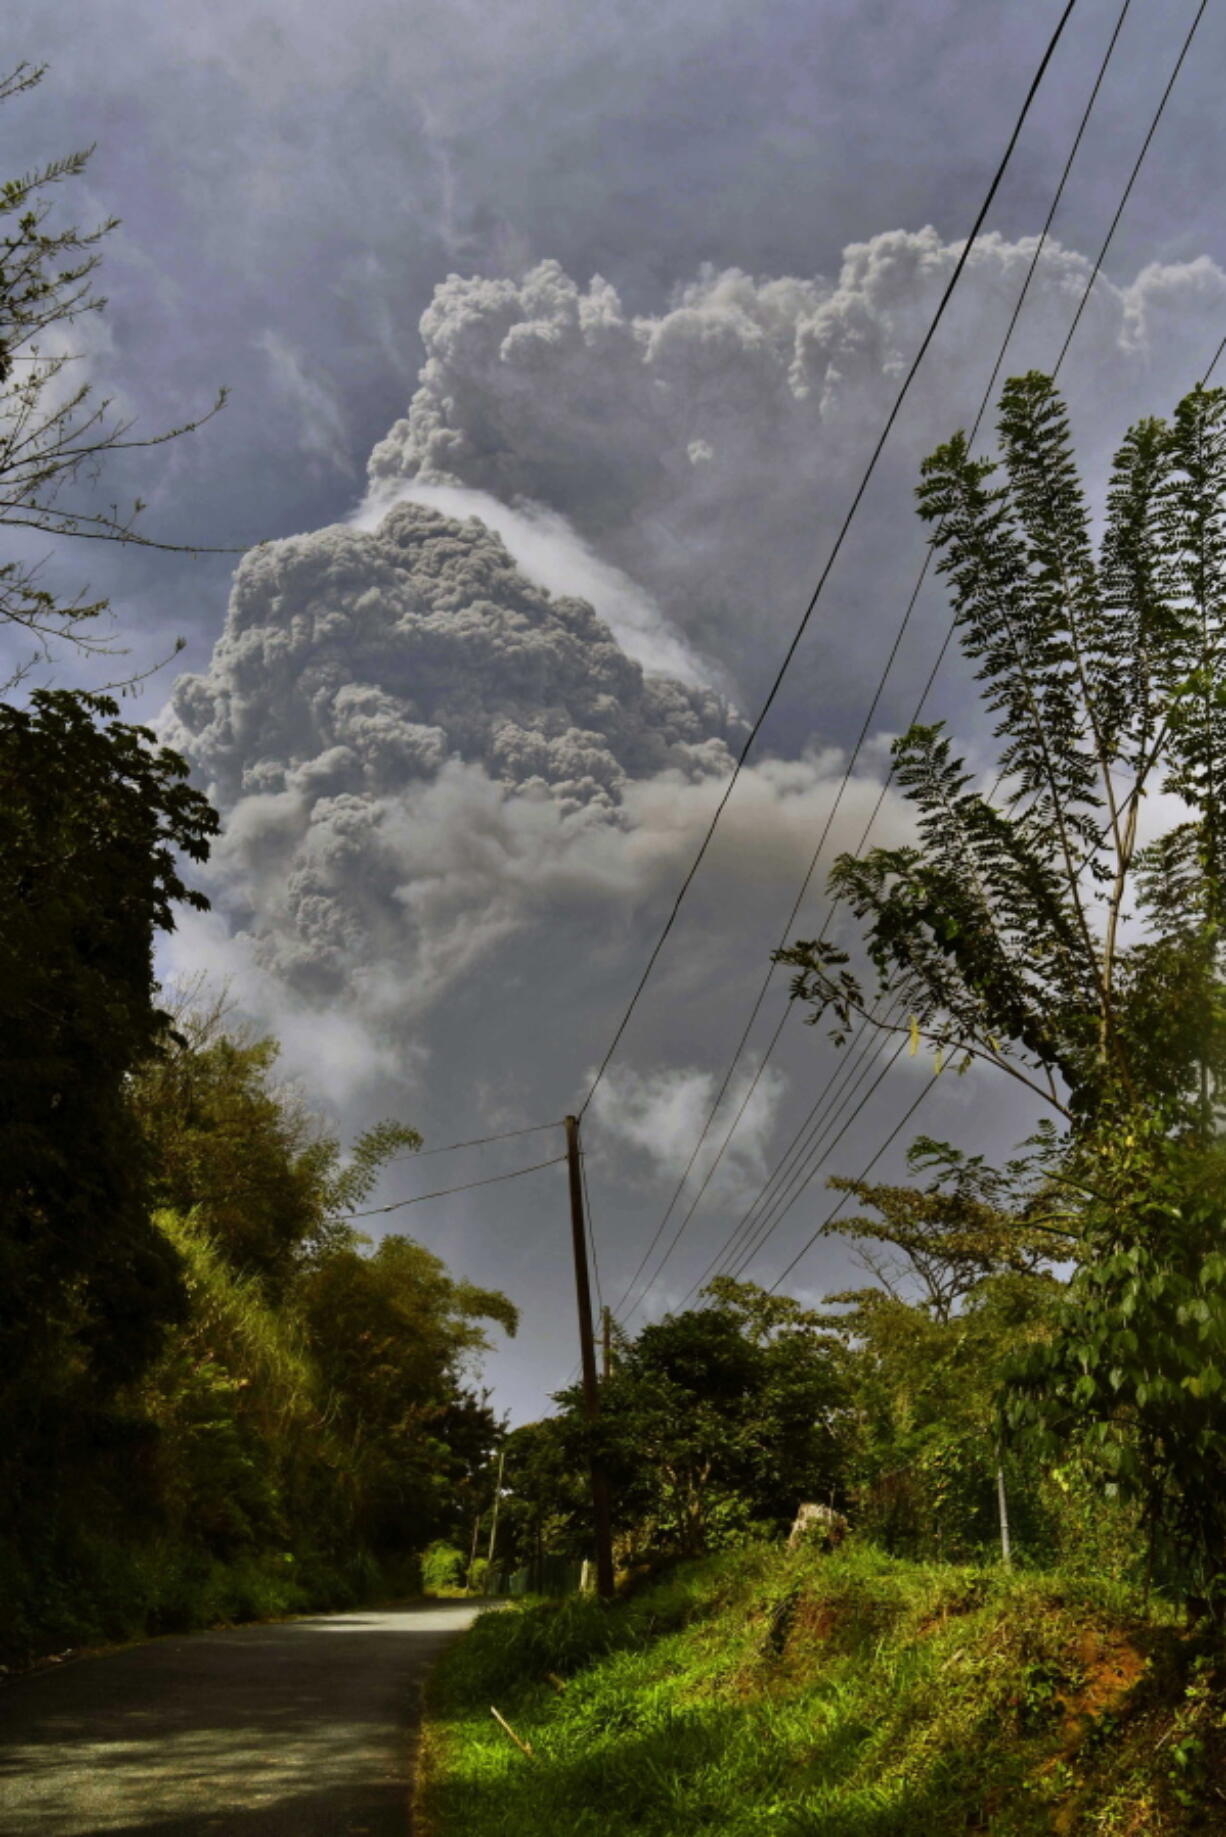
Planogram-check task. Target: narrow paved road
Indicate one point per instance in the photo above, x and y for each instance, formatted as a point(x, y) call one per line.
point(294, 1730)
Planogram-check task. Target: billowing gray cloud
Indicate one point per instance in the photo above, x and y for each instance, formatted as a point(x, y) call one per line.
point(709, 450)
point(421, 754)
point(363, 658)
point(552, 553)
point(404, 730)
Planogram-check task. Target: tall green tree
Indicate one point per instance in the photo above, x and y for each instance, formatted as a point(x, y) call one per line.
point(1046, 929)
point(242, 1153)
point(93, 818)
point(1036, 927)
point(720, 1418)
point(394, 1336)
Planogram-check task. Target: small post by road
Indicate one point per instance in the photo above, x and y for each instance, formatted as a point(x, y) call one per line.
point(472, 1556)
point(587, 1348)
point(497, 1497)
point(1002, 1508)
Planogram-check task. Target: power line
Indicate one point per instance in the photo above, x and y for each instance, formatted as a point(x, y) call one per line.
point(841, 1071)
point(766, 980)
point(783, 1020)
point(838, 544)
point(805, 1168)
point(710, 1173)
point(478, 1141)
point(1153, 128)
point(830, 1097)
point(867, 722)
point(867, 1169)
point(857, 1065)
point(827, 1098)
point(492, 1180)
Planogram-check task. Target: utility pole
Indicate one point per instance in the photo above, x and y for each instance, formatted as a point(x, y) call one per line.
point(606, 1345)
point(497, 1497)
point(587, 1348)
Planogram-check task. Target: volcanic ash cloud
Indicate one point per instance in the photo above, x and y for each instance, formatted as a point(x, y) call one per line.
point(413, 745)
point(709, 449)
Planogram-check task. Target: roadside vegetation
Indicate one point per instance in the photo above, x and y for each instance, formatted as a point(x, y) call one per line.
point(1021, 1412)
point(290, 1415)
point(844, 1695)
point(217, 1399)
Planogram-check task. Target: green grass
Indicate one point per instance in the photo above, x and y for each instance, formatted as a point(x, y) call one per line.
point(841, 1696)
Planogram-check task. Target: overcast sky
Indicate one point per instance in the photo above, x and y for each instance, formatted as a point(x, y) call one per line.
point(632, 285)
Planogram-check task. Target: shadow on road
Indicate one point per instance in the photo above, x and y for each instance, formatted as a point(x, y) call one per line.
point(283, 1731)
point(379, 1810)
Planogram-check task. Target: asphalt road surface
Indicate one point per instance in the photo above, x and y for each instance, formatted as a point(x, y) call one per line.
point(296, 1730)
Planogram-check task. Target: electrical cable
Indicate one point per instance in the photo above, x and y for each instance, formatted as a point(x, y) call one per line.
point(766, 980)
point(1153, 128)
point(869, 1165)
point(830, 1097)
point(810, 1139)
point(851, 1070)
point(785, 1016)
point(854, 756)
point(836, 548)
point(478, 1141)
point(805, 1169)
point(493, 1180)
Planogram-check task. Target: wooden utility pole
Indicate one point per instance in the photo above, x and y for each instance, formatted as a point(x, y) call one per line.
point(497, 1497)
point(587, 1349)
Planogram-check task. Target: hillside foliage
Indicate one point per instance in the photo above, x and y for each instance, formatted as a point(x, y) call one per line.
point(845, 1695)
point(1065, 927)
point(296, 1413)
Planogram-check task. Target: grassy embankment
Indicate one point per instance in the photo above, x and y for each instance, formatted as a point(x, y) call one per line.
point(840, 1696)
